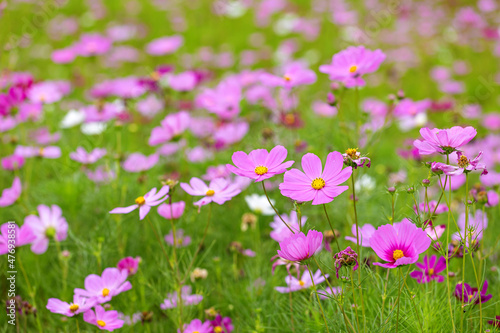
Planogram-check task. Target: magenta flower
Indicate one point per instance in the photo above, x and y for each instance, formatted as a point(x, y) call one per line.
point(320, 186)
point(465, 293)
point(164, 45)
point(444, 141)
point(365, 233)
point(11, 194)
point(137, 162)
point(50, 225)
point(180, 239)
point(145, 202)
point(429, 270)
point(12, 162)
point(348, 66)
point(280, 231)
point(187, 299)
point(300, 247)
point(400, 244)
point(104, 320)
point(129, 265)
point(219, 190)
point(221, 325)
point(79, 305)
point(83, 157)
point(103, 288)
point(292, 75)
point(260, 164)
point(171, 128)
point(196, 326)
point(45, 152)
point(91, 45)
point(347, 258)
point(172, 211)
point(18, 236)
point(305, 282)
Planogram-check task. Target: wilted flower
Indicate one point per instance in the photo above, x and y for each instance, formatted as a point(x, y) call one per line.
point(353, 158)
point(347, 258)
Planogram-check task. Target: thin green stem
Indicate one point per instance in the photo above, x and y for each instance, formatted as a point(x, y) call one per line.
point(331, 227)
point(317, 297)
point(275, 210)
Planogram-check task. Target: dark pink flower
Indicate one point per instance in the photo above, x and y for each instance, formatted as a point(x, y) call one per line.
point(429, 270)
point(129, 264)
point(299, 247)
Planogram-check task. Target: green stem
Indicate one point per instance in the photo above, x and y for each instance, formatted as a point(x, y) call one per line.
point(276, 211)
point(317, 297)
point(331, 227)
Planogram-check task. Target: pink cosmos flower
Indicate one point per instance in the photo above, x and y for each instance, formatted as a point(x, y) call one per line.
point(219, 190)
point(187, 299)
point(399, 244)
point(83, 157)
point(164, 45)
point(181, 240)
point(104, 320)
point(101, 175)
point(79, 305)
point(465, 293)
point(137, 162)
point(476, 224)
point(45, 92)
point(429, 269)
point(49, 225)
point(320, 186)
point(144, 203)
point(280, 231)
point(103, 288)
point(366, 233)
point(348, 66)
point(185, 81)
point(45, 152)
point(260, 164)
point(11, 194)
point(305, 282)
point(292, 75)
point(300, 247)
point(196, 326)
point(150, 106)
point(329, 292)
point(92, 44)
point(221, 325)
point(434, 232)
point(63, 56)
point(464, 165)
point(129, 265)
point(171, 128)
point(444, 141)
point(172, 211)
point(42, 136)
point(18, 236)
point(229, 134)
point(223, 100)
point(431, 205)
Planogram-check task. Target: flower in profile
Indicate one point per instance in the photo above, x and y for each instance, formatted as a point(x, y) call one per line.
point(221, 325)
point(180, 239)
point(196, 326)
point(22, 236)
point(305, 282)
point(329, 292)
point(260, 205)
point(92, 44)
point(187, 299)
point(280, 230)
point(292, 75)
point(443, 141)
point(172, 211)
point(103, 288)
point(12, 162)
point(281, 262)
point(104, 320)
point(430, 207)
point(347, 258)
point(320, 186)
point(300, 247)
point(219, 190)
point(399, 244)
point(260, 164)
point(171, 128)
point(49, 225)
point(164, 45)
point(467, 294)
point(138, 162)
point(353, 158)
point(144, 203)
point(45, 152)
point(476, 224)
point(129, 265)
point(11, 194)
point(79, 305)
point(348, 66)
point(429, 269)
point(365, 233)
point(83, 157)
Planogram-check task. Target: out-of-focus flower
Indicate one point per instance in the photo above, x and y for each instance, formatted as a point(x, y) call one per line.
point(198, 273)
point(129, 264)
point(180, 239)
point(281, 231)
point(465, 293)
point(104, 320)
point(112, 282)
point(79, 305)
point(292, 75)
point(22, 236)
point(187, 299)
point(138, 162)
point(49, 225)
point(83, 157)
point(172, 211)
point(164, 45)
point(196, 326)
point(365, 233)
point(259, 204)
point(92, 45)
point(429, 269)
point(12, 162)
point(171, 128)
point(305, 282)
point(11, 194)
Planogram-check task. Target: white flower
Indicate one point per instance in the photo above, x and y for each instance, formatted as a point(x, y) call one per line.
point(72, 118)
point(93, 128)
point(365, 183)
point(259, 204)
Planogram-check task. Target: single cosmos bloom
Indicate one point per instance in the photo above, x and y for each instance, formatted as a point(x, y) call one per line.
point(112, 282)
point(300, 247)
point(79, 305)
point(144, 203)
point(104, 320)
point(429, 269)
point(443, 141)
point(219, 190)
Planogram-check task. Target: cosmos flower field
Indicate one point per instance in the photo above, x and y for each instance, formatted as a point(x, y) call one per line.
point(249, 166)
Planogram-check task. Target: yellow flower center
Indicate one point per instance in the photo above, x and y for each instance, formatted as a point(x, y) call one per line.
point(463, 161)
point(302, 283)
point(179, 241)
point(353, 68)
point(218, 329)
point(105, 292)
point(74, 307)
point(210, 193)
point(318, 183)
point(397, 254)
point(40, 151)
point(431, 271)
point(287, 78)
point(352, 152)
point(101, 323)
point(140, 201)
point(290, 119)
point(155, 76)
point(196, 331)
point(261, 170)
